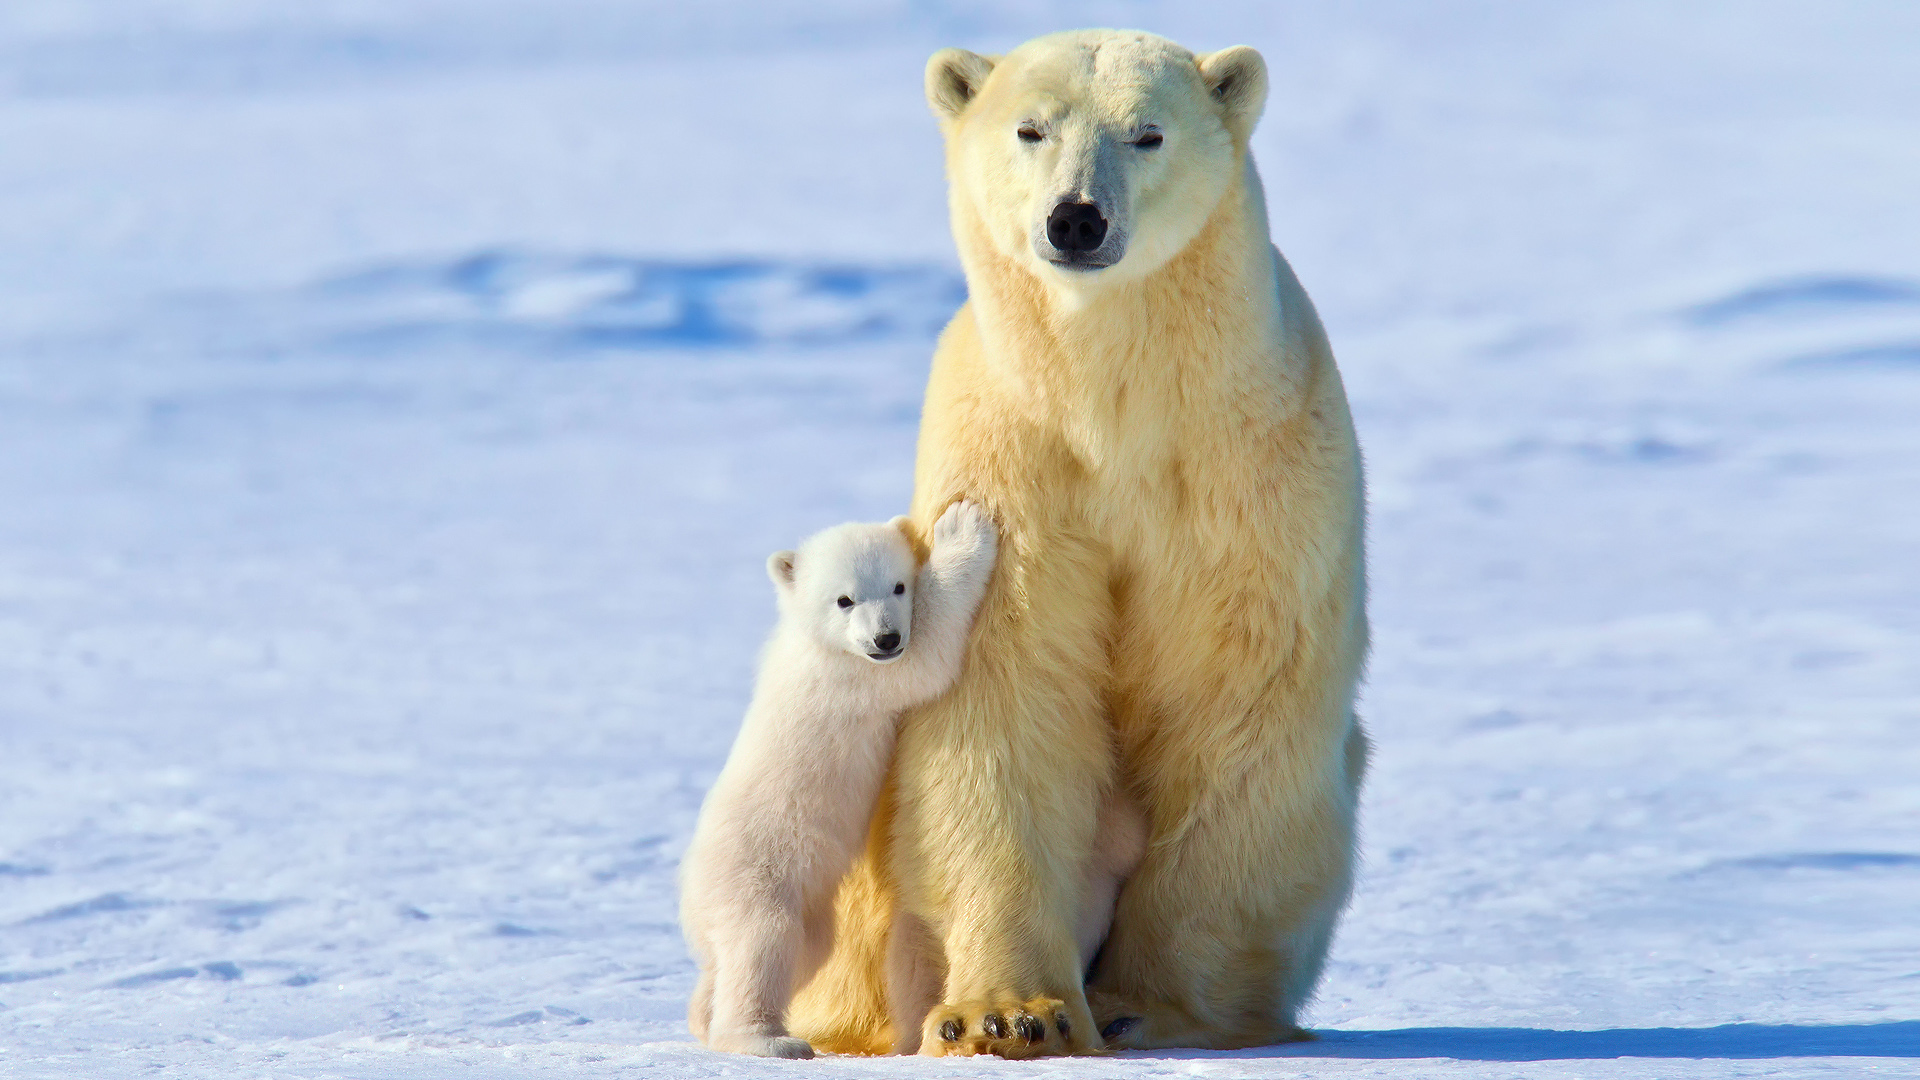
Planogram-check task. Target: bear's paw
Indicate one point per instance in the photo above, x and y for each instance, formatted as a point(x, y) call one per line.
point(1128, 1024)
point(1007, 1028)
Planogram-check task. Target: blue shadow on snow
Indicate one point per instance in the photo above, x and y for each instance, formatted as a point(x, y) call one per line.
point(1806, 296)
point(1899, 1039)
point(616, 302)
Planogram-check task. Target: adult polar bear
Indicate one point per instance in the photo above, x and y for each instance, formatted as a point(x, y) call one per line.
point(1141, 394)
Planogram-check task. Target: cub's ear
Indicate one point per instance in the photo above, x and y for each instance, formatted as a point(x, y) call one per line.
point(954, 78)
point(914, 539)
point(780, 569)
point(1237, 79)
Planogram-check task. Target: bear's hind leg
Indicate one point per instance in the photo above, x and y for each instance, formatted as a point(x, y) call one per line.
point(1119, 843)
point(1222, 933)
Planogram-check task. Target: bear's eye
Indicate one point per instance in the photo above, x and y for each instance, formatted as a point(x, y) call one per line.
point(1029, 133)
point(1149, 140)
point(899, 587)
point(846, 601)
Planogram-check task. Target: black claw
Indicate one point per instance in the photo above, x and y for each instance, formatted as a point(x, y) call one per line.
point(950, 1031)
point(1030, 1028)
point(1066, 1026)
point(1119, 1027)
point(994, 1025)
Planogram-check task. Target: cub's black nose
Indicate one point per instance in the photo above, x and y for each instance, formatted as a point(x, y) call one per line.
point(1076, 227)
point(887, 642)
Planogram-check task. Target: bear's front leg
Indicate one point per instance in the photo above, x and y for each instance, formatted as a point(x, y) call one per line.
point(997, 789)
point(1005, 898)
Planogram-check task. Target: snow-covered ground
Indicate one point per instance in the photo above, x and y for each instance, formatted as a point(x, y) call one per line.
point(397, 401)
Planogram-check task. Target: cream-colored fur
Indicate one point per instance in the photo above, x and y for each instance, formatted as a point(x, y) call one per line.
point(863, 634)
point(1179, 611)
point(912, 976)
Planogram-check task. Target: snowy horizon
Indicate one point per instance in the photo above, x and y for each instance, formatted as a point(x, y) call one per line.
point(398, 402)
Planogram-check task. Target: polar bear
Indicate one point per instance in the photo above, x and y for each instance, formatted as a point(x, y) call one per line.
point(861, 637)
point(1141, 394)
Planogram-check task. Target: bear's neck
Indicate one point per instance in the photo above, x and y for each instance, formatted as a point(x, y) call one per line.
point(1206, 324)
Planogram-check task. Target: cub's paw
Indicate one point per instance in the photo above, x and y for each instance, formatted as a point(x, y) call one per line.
point(965, 525)
point(1008, 1028)
point(768, 1046)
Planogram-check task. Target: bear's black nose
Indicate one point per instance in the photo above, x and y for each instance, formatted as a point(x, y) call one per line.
point(1076, 227)
point(887, 642)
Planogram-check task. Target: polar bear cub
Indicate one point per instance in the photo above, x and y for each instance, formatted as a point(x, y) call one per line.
point(864, 633)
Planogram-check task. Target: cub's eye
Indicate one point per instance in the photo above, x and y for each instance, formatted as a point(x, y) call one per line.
point(1149, 141)
point(899, 587)
point(846, 601)
point(1029, 133)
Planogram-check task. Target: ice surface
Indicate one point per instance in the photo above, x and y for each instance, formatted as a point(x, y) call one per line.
point(397, 401)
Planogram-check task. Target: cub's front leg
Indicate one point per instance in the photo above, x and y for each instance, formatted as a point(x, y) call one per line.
point(947, 596)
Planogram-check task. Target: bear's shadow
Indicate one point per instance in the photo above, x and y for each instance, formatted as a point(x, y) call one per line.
point(1898, 1039)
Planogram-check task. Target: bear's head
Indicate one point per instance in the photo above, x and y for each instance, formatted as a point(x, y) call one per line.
point(850, 588)
point(1094, 156)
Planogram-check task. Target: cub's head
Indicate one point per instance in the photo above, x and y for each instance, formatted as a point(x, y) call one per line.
point(851, 588)
point(1094, 155)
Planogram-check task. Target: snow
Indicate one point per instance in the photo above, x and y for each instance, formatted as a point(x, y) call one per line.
point(397, 402)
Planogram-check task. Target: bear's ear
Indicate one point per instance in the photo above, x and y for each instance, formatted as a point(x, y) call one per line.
point(1237, 79)
point(780, 569)
point(954, 78)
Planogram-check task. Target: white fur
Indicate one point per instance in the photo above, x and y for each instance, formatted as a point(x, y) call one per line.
point(792, 805)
